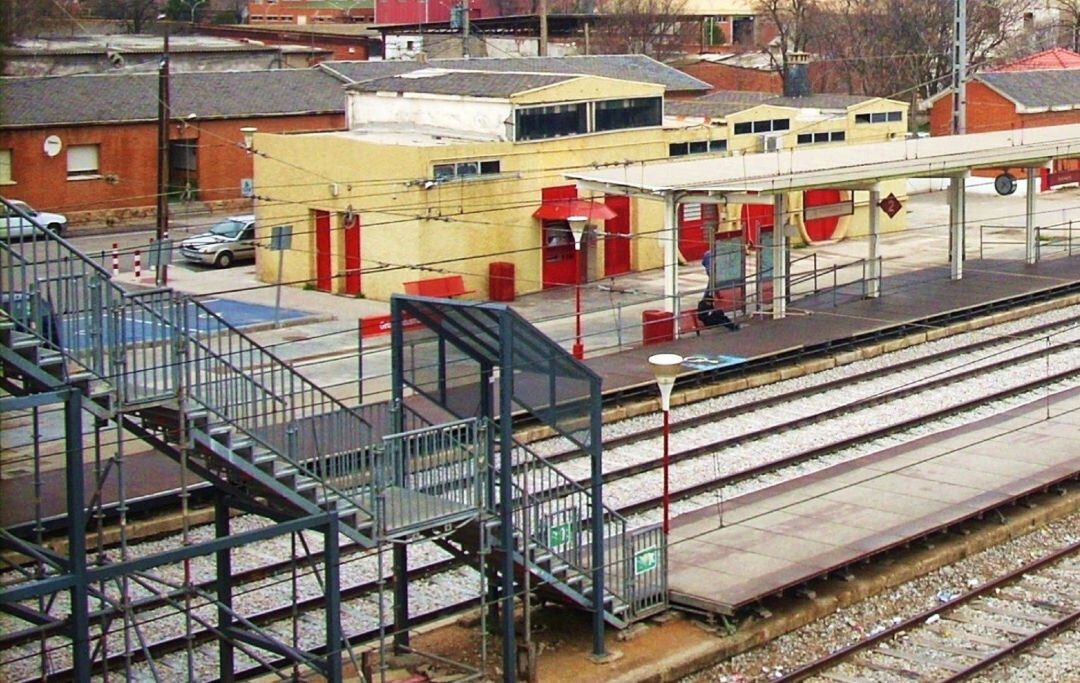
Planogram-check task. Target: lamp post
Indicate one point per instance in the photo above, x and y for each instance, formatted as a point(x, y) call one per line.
point(577, 227)
point(665, 368)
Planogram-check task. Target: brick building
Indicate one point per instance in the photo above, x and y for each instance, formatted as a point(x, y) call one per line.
point(87, 145)
point(340, 41)
point(310, 11)
point(1038, 90)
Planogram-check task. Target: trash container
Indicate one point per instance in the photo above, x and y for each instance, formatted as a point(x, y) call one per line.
point(501, 281)
point(657, 326)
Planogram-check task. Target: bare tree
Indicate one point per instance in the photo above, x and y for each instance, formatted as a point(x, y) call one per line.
point(657, 28)
point(1067, 26)
point(794, 22)
point(25, 18)
point(136, 15)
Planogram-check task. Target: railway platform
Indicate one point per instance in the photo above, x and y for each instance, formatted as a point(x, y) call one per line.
point(727, 557)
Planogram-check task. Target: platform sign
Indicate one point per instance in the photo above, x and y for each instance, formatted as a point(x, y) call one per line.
point(560, 534)
point(247, 187)
point(703, 362)
point(890, 205)
point(646, 560)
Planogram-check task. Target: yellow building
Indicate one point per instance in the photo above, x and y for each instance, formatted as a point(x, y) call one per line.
point(444, 172)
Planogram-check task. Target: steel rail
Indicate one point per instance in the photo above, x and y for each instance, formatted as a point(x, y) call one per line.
point(833, 658)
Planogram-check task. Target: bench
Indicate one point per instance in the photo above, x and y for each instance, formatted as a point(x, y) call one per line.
point(442, 287)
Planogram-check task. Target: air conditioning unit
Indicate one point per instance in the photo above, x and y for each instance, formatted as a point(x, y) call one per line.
point(771, 143)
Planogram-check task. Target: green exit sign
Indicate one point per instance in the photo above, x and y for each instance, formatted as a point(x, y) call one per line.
point(646, 560)
point(559, 535)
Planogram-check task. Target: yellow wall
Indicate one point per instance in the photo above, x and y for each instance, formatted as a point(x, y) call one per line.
point(463, 225)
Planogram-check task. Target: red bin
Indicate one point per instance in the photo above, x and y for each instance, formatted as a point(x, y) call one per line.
point(657, 327)
point(501, 281)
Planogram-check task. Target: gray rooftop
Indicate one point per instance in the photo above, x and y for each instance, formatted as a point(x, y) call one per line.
point(623, 67)
point(750, 97)
point(466, 83)
point(102, 98)
point(715, 110)
point(1041, 89)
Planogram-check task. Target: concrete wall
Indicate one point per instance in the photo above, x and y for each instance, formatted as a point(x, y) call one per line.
point(480, 117)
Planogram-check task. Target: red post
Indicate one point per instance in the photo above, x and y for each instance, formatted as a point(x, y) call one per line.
point(667, 492)
point(579, 347)
point(115, 259)
point(138, 265)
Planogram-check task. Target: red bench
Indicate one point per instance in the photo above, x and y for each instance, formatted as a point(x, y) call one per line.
point(443, 287)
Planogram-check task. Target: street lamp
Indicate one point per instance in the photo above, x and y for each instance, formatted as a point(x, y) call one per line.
point(665, 368)
point(577, 227)
point(249, 137)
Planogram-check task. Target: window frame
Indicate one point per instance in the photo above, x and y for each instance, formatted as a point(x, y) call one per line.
point(7, 175)
point(456, 169)
point(87, 173)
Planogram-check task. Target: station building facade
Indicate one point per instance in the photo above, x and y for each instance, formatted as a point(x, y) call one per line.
point(443, 172)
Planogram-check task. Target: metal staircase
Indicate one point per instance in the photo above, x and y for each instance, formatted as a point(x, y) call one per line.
point(179, 376)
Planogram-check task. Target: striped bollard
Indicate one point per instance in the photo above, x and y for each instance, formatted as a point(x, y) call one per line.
point(138, 265)
point(115, 259)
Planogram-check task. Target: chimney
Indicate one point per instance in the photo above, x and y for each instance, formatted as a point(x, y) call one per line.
point(797, 83)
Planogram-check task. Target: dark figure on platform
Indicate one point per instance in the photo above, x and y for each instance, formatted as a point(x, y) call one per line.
point(711, 316)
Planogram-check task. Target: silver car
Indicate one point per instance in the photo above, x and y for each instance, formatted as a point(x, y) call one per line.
point(231, 240)
point(14, 225)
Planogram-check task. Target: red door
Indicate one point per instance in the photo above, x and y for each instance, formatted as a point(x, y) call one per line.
point(756, 218)
point(821, 228)
point(617, 236)
point(352, 255)
point(558, 243)
point(692, 243)
point(323, 278)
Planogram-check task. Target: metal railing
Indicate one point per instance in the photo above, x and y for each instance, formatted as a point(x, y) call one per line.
point(155, 345)
point(430, 477)
point(558, 509)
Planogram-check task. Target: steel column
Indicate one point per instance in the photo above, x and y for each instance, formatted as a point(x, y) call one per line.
point(671, 258)
point(332, 554)
point(1031, 246)
point(80, 606)
point(506, 504)
point(957, 197)
point(779, 303)
point(223, 561)
point(873, 286)
point(596, 514)
point(401, 597)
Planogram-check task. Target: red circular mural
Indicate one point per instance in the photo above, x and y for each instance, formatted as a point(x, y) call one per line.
point(821, 228)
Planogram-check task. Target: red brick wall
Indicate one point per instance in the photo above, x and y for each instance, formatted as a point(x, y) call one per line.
point(987, 111)
point(343, 47)
point(127, 161)
point(726, 77)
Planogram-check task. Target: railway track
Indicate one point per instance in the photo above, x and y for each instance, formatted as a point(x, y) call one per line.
point(966, 633)
point(167, 645)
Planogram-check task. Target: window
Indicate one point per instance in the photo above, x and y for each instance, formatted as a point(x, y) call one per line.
point(82, 161)
point(465, 169)
point(679, 149)
point(880, 117)
point(554, 121)
point(762, 126)
point(813, 138)
point(5, 166)
point(638, 112)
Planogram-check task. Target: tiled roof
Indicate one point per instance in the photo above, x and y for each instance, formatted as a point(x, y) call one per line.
point(1054, 58)
point(466, 83)
point(750, 98)
point(1038, 90)
point(103, 98)
point(715, 110)
point(623, 67)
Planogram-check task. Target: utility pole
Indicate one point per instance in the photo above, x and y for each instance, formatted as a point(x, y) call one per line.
point(959, 75)
point(543, 47)
point(161, 274)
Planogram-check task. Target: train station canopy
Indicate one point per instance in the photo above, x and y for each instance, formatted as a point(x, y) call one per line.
point(840, 166)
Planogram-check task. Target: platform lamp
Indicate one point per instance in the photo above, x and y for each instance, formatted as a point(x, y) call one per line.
point(249, 137)
point(665, 368)
point(577, 227)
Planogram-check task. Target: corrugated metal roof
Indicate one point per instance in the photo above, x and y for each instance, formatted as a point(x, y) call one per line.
point(622, 67)
point(465, 83)
point(1037, 90)
point(840, 165)
point(819, 101)
point(104, 98)
point(714, 110)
